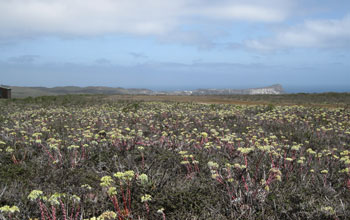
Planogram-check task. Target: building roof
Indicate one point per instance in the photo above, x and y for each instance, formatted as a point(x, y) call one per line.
point(3, 87)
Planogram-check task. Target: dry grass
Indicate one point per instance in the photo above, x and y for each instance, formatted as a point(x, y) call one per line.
point(216, 100)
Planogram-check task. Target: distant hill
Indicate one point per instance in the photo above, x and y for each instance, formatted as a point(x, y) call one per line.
point(21, 92)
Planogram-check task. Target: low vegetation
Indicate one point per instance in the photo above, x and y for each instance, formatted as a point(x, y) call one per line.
point(88, 157)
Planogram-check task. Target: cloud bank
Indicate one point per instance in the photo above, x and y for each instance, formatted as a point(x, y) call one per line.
point(172, 22)
point(141, 17)
point(326, 33)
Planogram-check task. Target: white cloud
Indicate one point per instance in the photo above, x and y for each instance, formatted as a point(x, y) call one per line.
point(142, 17)
point(87, 17)
point(331, 33)
point(248, 11)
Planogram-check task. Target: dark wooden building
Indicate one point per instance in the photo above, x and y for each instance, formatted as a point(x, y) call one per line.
point(5, 92)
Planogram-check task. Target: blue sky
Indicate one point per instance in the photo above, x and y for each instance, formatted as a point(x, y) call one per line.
point(179, 44)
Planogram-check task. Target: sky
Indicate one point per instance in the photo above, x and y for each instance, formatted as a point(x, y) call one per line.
point(304, 45)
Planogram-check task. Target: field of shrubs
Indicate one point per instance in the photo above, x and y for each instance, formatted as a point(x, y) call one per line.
point(84, 157)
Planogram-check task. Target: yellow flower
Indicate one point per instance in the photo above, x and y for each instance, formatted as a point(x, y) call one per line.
point(112, 191)
point(73, 147)
point(146, 198)
point(329, 210)
point(275, 170)
point(119, 175)
point(86, 186)
point(246, 150)
point(107, 215)
point(346, 170)
point(278, 177)
point(324, 171)
point(9, 150)
point(143, 178)
point(300, 161)
point(106, 181)
point(54, 199)
point(161, 210)
point(310, 151)
point(204, 134)
point(237, 165)
point(267, 188)
point(214, 176)
point(213, 165)
point(35, 194)
point(8, 209)
point(129, 174)
point(296, 147)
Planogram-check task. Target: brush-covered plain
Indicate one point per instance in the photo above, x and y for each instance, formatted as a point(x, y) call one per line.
point(86, 157)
